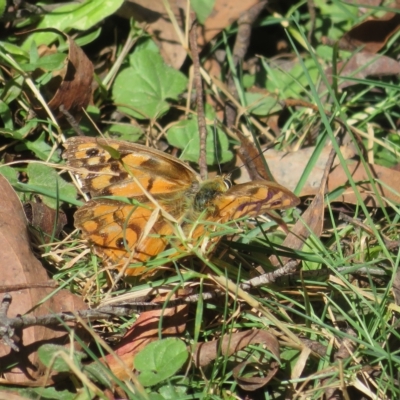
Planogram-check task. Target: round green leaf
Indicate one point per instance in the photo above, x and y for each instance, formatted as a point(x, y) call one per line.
point(260, 104)
point(144, 87)
point(185, 135)
point(160, 360)
point(46, 178)
point(50, 356)
point(9, 173)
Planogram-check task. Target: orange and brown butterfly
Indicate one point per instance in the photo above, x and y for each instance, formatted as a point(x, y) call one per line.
point(141, 197)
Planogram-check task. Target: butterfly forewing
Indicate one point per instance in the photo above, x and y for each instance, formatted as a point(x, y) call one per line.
point(253, 199)
point(158, 173)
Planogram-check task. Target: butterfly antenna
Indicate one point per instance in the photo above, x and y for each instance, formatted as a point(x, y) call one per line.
point(71, 120)
point(246, 153)
point(216, 147)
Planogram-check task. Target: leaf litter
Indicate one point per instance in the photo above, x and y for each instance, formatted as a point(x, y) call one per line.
point(378, 188)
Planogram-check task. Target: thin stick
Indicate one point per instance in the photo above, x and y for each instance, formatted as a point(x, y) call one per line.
point(199, 100)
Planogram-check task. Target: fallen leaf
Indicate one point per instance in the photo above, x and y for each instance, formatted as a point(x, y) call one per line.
point(206, 352)
point(372, 34)
point(311, 221)
point(387, 182)
point(257, 167)
point(71, 87)
point(144, 331)
point(288, 168)
point(48, 221)
point(18, 265)
point(159, 25)
point(362, 65)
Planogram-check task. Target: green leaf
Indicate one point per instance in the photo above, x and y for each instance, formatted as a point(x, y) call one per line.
point(160, 360)
point(41, 149)
point(97, 373)
point(173, 392)
point(2, 7)
point(261, 104)
point(33, 53)
point(128, 132)
point(5, 115)
point(155, 396)
point(80, 16)
point(47, 352)
point(50, 62)
point(146, 85)
point(41, 393)
point(202, 8)
point(9, 173)
point(20, 134)
point(185, 135)
point(47, 178)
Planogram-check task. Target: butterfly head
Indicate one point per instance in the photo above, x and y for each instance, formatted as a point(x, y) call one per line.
point(209, 190)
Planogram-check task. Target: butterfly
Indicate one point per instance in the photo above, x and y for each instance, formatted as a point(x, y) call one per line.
point(141, 198)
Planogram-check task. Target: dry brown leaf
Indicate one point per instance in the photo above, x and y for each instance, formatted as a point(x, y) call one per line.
point(18, 265)
point(144, 331)
point(389, 189)
point(46, 219)
point(311, 221)
point(248, 153)
point(71, 87)
point(288, 168)
point(158, 23)
point(11, 395)
point(230, 344)
point(362, 65)
point(372, 35)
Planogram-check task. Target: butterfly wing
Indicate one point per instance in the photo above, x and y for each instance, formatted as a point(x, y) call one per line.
point(116, 168)
point(110, 165)
point(248, 199)
point(252, 199)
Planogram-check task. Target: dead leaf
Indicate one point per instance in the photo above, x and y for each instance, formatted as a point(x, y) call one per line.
point(12, 395)
point(47, 220)
point(257, 167)
point(159, 25)
point(372, 35)
point(362, 65)
point(311, 221)
point(288, 168)
point(389, 189)
point(71, 87)
point(144, 331)
point(206, 352)
point(18, 265)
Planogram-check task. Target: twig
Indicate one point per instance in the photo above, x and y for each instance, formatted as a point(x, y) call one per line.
point(391, 244)
point(8, 325)
point(6, 328)
point(199, 100)
point(245, 23)
point(313, 18)
point(345, 351)
point(29, 285)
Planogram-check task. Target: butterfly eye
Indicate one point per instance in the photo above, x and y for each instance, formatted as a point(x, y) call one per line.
point(228, 183)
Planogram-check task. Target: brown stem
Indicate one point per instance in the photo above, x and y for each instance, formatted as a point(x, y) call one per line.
point(199, 100)
point(240, 47)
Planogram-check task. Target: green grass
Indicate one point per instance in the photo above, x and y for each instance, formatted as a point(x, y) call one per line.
point(336, 330)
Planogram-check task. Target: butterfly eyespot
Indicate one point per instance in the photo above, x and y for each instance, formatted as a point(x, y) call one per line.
point(92, 152)
point(120, 243)
point(115, 167)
